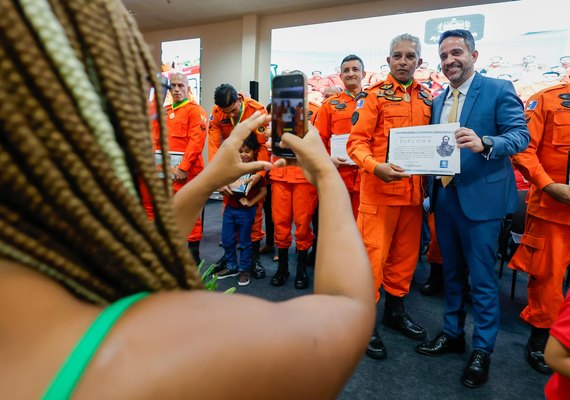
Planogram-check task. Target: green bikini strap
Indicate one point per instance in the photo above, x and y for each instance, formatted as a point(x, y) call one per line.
point(66, 379)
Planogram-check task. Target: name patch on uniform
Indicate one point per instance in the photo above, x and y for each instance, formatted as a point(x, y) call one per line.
point(532, 105)
point(340, 106)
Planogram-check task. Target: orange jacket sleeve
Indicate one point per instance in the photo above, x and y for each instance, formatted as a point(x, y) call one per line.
point(197, 130)
point(527, 162)
point(322, 123)
point(214, 135)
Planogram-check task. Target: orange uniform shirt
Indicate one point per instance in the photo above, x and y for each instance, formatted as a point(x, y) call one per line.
point(383, 109)
point(221, 126)
point(187, 127)
point(334, 118)
point(545, 161)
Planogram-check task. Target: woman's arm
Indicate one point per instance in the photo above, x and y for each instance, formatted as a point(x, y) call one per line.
point(210, 345)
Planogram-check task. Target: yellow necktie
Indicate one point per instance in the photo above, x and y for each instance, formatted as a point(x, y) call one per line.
point(452, 118)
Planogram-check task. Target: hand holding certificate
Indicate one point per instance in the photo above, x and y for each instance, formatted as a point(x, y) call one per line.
point(426, 149)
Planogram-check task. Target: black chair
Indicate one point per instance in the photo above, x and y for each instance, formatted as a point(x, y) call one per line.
point(516, 230)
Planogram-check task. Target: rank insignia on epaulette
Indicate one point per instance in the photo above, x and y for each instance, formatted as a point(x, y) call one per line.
point(386, 86)
point(532, 105)
point(394, 98)
point(428, 102)
point(380, 94)
point(566, 104)
point(564, 96)
point(355, 117)
point(334, 102)
point(225, 121)
point(361, 95)
point(423, 94)
point(340, 106)
point(389, 92)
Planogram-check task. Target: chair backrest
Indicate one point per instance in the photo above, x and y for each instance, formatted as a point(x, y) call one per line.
point(519, 216)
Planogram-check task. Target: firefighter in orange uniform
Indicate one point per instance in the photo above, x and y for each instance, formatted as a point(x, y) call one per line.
point(293, 200)
point(334, 119)
point(231, 108)
point(390, 212)
point(187, 125)
point(544, 252)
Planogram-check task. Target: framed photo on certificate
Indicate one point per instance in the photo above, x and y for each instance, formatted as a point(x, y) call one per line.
point(426, 149)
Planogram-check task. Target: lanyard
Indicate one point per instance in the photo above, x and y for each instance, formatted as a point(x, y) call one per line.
point(239, 116)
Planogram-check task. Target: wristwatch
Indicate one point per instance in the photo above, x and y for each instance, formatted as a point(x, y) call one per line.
point(488, 143)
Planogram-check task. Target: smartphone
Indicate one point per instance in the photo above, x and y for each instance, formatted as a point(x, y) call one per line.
point(288, 110)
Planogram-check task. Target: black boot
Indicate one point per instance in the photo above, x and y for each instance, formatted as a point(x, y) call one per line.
point(312, 254)
point(301, 278)
point(376, 348)
point(535, 350)
point(195, 250)
point(220, 264)
point(282, 268)
point(434, 283)
point(257, 270)
point(395, 317)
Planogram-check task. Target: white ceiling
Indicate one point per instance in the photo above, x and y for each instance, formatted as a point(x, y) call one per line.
point(154, 15)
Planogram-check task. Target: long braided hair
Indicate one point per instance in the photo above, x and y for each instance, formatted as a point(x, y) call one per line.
point(75, 149)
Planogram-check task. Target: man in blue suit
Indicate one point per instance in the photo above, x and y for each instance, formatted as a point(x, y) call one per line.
point(469, 208)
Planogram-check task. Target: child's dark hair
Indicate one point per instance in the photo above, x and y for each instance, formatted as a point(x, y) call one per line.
point(251, 142)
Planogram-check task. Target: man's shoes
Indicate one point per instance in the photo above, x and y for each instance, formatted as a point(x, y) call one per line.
point(434, 284)
point(535, 350)
point(476, 372)
point(243, 278)
point(404, 324)
point(227, 273)
point(442, 344)
point(279, 278)
point(257, 270)
point(376, 349)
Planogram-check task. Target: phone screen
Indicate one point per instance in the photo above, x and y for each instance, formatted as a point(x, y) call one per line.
point(288, 111)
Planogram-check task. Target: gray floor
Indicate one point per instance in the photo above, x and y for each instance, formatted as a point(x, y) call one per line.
point(406, 374)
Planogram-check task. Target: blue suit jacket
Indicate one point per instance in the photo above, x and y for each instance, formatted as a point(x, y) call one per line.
point(486, 188)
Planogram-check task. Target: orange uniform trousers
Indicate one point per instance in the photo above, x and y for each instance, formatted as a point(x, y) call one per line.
point(544, 253)
point(293, 202)
point(433, 254)
point(392, 240)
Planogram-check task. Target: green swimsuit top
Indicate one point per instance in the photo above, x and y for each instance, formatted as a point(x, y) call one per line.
point(66, 379)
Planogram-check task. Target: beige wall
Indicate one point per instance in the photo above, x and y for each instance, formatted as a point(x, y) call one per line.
point(239, 51)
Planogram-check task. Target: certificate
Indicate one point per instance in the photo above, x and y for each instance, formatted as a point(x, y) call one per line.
point(426, 149)
point(338, 147)
point(175, 159)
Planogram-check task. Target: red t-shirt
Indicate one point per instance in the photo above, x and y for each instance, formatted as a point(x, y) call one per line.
point(558, 386)
point(233, 201)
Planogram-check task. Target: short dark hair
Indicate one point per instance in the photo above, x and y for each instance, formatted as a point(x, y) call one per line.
point(225, 95)
point(352, 57)
point(460, 33)
point(252, 142)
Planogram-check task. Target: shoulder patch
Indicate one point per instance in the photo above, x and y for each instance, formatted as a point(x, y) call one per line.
point(531, 105)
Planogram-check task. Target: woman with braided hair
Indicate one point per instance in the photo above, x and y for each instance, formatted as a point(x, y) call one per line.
point(79, 259)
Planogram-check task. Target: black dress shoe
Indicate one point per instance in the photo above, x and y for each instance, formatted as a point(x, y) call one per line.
point(404, 324)
point(434, 284)
point(476, 372)
point(442, 344)
point(535, 350)
point(279, 278)
point(376, 349)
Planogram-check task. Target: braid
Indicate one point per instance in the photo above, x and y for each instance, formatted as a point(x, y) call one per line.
point(62, 187)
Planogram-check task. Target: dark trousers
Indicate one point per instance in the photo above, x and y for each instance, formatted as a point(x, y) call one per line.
point(238, 220)
point(468, 245)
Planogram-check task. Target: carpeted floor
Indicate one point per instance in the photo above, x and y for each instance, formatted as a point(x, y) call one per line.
point(406, 374)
